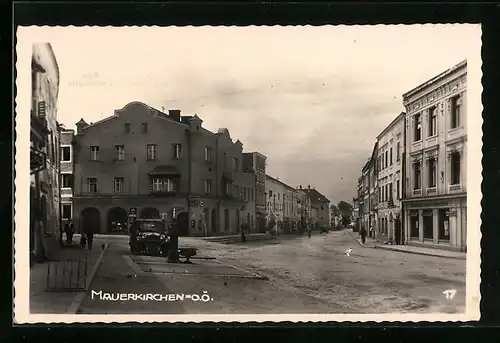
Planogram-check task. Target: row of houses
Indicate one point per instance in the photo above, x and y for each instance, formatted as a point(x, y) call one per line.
point(413, 189)
point(168, 164)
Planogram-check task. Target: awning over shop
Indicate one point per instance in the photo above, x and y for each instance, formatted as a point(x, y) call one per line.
point(164, 170)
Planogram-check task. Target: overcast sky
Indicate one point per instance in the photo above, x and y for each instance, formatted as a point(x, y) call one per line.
point(312, 99)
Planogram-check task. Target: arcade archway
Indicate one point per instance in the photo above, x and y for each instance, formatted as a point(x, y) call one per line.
point(150, 212)
point(91, 220)
point(117, 220)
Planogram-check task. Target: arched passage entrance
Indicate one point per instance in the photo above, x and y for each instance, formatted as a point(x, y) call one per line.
point(91, 220)
point(117, 220)
point(183, 224)
point(150, 212)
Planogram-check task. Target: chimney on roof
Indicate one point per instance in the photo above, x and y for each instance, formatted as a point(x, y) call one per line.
point(175, 114)
point(300, 187)
point(309, 187)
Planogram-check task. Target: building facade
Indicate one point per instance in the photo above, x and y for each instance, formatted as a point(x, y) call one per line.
point(255, 162)
point(304, 207)
point(390, 179)
point(275, 194)
point(44, 154)
point(373, 185)
point(436, 147)
point(67, 179)
point(319, 208)
point(365, 214)
point(161, 165)
point(291, 215)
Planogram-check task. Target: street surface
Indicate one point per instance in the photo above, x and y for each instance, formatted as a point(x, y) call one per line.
point(287, 275)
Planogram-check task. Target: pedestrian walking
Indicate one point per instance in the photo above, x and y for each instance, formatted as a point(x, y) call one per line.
point(397, 231)
point(362, 233)
point(69, 230)
point(309, 230)
point(89, 234)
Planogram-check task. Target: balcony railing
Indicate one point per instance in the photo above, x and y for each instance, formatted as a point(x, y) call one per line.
point(455, 188)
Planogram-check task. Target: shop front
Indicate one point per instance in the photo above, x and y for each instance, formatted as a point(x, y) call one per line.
point(437, 222)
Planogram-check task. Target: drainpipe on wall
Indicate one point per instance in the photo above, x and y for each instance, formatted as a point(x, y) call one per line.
point(59, 177)
point(403, 186)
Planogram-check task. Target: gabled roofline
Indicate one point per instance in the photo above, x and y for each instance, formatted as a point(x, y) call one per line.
point(432, 80)
point(157, 114)
point(391, 125)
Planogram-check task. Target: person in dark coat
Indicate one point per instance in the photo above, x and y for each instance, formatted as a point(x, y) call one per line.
point(362, 233)
point(173, 232)
point(397, 230)
point(69, 230)
point(89, 233)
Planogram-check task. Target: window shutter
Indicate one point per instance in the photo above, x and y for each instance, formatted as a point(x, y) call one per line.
point(41, 109)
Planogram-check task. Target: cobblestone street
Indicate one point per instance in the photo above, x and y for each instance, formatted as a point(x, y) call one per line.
point(289, 275)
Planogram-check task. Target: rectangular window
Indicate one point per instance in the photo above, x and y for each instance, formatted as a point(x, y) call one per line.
point(92, 185)
point(456, 106)
point(208, 186)
point(386, 159)
point(120, 152)
point(418, 127)
point(432, 172)
point(235, 164)
point(208, 154)
point(270, 194)
point(455, 168)
point(176, 151)
point(398, 148)
point(390, 191)
point(94, 153)
point(118, 184)
point(127, 127)
point(151, 151)
point(228, 189)
point(65, 154)
point(397, 189)
point(417, 176)
point(67, 181)
point(144, 127)
point(390, 158)
point(432, 122)
point(386, 192)
point(163, 185)
point(66, 211)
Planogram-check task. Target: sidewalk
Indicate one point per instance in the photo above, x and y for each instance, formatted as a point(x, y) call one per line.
point(424, 251)
point(372, 243)
point(369, 242)
point(42, 301)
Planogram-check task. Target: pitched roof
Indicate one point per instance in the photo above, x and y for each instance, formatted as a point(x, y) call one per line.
point(315, 196)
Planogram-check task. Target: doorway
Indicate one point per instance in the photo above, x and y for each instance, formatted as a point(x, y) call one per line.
point(183, 224)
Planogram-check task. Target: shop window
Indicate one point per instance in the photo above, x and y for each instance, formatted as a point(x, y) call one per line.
point(414, 225)
point(428, 225)
point(444, 225)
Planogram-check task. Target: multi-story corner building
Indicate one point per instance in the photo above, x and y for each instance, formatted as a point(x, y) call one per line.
point(161, 165)
point(390, 168)
point(319, 208)
point(436, 145)
point(365, 199)
point(359, 202)
point(255, 163)
point(66, 158)
point(373, 184)
point(44, 154)
point(291, 215)
point(275, 193)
